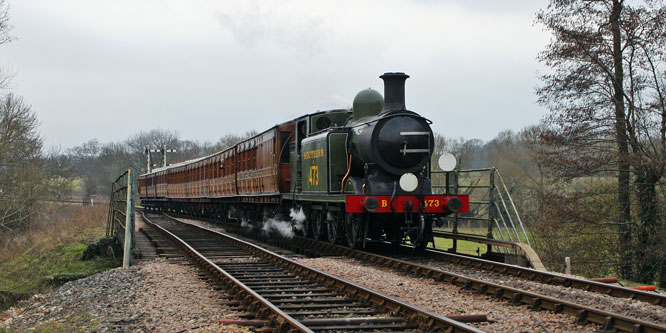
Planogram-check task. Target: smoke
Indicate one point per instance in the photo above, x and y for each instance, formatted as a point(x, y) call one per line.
point(298, 217)
point(254, 23)
point(285, 228)
point(245, 224)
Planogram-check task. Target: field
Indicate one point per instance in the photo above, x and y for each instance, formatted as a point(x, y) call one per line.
point(51, 246)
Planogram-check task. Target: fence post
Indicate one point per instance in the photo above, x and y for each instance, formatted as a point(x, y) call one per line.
point(129, 221)
point(109, 222)
point(567, 262)
point(455, 215)
point(491, 203)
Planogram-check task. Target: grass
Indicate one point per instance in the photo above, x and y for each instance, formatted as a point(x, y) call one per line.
point(30, 272)
point(80, 322)
point(465, 247)
point(52, 245)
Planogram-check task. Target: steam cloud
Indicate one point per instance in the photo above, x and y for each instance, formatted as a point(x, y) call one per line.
point(298, 217)
point(285, 228)
point(282, 227)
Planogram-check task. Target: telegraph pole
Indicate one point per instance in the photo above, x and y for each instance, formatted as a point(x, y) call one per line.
point(163, 151)
point(149, 165)
point(164, 154)
point(147, 151)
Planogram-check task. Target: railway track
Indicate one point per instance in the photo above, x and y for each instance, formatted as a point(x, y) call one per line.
point(609, 321)
point(548, 277)
point(312, 248)
point(290, 297)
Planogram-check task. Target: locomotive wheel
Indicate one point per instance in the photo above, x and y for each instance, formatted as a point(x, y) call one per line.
point(317, 225)
point(353, 230)
point(333, 227)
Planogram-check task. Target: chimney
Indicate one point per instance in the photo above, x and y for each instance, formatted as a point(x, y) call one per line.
point(394, 91)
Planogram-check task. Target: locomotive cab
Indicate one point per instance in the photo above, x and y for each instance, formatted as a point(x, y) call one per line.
point(315, 135)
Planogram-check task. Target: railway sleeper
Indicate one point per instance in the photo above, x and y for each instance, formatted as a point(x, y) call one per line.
point(301, 314)
point(297, 296)
point(266, 276)
point(282, 274)
point(327, 306)
point(284, 290)
point(279, 283)
point(329, 300)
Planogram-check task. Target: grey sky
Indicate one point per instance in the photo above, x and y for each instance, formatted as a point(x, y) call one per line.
point(108, 69)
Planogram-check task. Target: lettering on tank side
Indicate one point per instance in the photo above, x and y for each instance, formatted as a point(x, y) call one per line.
point(312, 154)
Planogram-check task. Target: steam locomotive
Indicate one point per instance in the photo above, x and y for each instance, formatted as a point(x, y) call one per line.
point(357, 176)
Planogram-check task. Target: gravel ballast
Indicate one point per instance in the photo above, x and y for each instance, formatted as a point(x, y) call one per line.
point(625, 306)
point(150, 297)
point(441, 298)
point(446, 299)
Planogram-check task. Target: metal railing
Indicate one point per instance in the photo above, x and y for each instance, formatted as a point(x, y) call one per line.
point(120, 224)
point(491, 207)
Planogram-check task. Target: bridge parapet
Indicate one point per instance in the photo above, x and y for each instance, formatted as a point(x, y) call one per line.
point(120, 223)
point(492, 210)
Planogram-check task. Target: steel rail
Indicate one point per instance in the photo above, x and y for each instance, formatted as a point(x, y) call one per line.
point(282, 320)
point(279, 319)
point(507, 269)
point(608, 320)
point(584, 314)
point(550, 278)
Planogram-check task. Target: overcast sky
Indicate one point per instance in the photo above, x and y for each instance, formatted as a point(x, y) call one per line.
point(109, 69)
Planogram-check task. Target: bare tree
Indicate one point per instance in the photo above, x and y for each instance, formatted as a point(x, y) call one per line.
point(22, 180)
point(19, 139)
point(517, 156)
point(467, 152)
point(155, 139)
point(97, 164)
point(607, 110)
point(228, 140)
point(5, 37)
point(5, 27)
